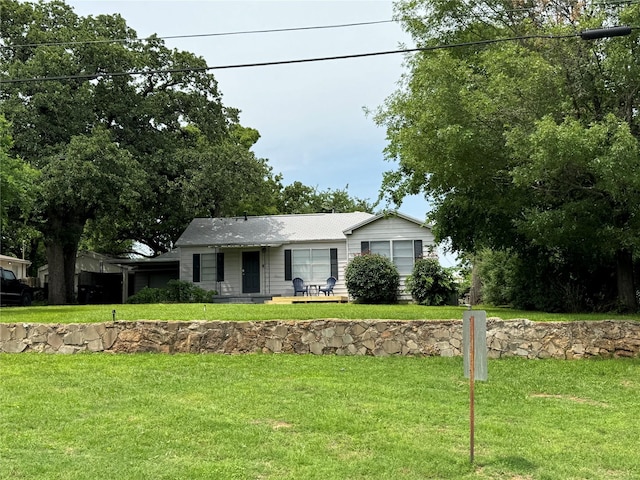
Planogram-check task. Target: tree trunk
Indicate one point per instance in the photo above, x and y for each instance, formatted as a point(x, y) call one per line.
point(476, 285)
point(57, 285)
point(61, 243)
point(624, 274)
point(62, 270)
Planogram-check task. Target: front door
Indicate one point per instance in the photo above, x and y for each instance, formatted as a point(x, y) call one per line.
point(250, 272)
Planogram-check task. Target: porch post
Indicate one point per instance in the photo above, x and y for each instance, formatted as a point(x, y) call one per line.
point(125, 283)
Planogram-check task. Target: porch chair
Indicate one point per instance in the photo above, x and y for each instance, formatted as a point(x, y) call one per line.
point(299, 286)
point(328, 288)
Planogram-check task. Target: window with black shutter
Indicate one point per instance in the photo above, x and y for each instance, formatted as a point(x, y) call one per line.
point(333, 254)
point(196, 268)
point(287, 265)
point(417, 249)
point(220, 267)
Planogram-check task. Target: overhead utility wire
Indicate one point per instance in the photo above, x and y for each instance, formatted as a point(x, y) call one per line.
point(271, 30)
point(585, 35)
point(199, 35)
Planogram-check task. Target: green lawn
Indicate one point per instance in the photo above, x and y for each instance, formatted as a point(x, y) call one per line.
point(98, 416)
point(240, 312)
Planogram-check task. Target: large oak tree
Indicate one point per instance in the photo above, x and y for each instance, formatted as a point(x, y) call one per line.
point(130, 137)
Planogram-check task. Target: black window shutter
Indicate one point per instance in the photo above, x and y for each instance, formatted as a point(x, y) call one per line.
point(417, 249)
point(196, 267)
point(287, 265)
point(220, 267)
point(364, 247)
point(333, 254)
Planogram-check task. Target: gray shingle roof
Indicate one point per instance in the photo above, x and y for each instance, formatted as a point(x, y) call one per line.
point(269, 230)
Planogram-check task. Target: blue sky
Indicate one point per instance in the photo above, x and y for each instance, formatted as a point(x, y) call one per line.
point(311, 116)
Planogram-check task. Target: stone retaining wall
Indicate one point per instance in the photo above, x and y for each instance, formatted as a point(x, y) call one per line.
point(519, 338)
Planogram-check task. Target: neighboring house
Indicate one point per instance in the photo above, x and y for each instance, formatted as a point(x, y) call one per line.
point(153, 272)
point(98, 278)
point(16, 265)
point(259, 256)
point(104, 279)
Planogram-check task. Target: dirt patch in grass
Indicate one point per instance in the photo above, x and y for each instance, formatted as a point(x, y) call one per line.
point(274, 424)
point(570, 398)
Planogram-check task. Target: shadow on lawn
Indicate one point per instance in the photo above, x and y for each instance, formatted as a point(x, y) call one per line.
point(517, 464)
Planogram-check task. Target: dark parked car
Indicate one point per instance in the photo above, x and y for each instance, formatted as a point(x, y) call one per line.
point(12, 290)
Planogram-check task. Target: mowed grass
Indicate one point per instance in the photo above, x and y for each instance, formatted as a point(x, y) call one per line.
point(146, 416)
point(255, 312)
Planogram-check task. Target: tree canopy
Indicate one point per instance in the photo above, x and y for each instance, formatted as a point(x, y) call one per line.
point(117, 139)
point(523, 142)
point(17, 194)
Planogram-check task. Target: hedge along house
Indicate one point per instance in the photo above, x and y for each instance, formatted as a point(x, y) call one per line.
point(257, 257)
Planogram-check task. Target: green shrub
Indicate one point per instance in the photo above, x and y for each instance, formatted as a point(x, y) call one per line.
point(148, 295)
point(372, 278)
point(430, 283)
point(177, 291)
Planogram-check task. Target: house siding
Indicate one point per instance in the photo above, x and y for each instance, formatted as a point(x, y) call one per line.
point(285, 287)
point(389, 229)
point(232, 283)
point(272, 258)
point(272, 274)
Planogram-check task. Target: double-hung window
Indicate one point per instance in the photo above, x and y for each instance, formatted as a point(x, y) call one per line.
point(381, 248)
point(313, 265)
point(403, 253)
point(208, 267)
point(403, 256)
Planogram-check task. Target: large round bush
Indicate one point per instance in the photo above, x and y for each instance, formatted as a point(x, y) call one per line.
point(372, 278)
point(430, 283)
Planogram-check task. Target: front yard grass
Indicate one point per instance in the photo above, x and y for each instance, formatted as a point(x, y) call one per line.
point(245, 312)
point(146, 416)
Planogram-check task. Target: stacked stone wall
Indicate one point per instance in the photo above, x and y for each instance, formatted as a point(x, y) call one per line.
point(512, 338)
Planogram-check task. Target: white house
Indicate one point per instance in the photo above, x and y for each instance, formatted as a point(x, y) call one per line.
point(16, 265)
point(260, 255)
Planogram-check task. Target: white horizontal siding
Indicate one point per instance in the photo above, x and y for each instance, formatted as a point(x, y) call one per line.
point(232, 284)
point(280, 286)
point(388, 229)
point(272, 280)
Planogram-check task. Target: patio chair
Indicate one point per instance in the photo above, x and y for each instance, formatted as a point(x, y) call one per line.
point(299, 286)
point(328, 288)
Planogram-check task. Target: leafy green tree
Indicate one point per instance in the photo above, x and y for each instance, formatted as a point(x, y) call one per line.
point(469, 128)
point(95, 178)
point(585, 191)
point(300, 198)
point(514, 278)
point(17, 181)
point(119, 129)
point(214, 172)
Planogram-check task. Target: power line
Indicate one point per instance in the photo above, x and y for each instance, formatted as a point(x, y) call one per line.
point(199, 35)
point(586, 35)
point(273, 30)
